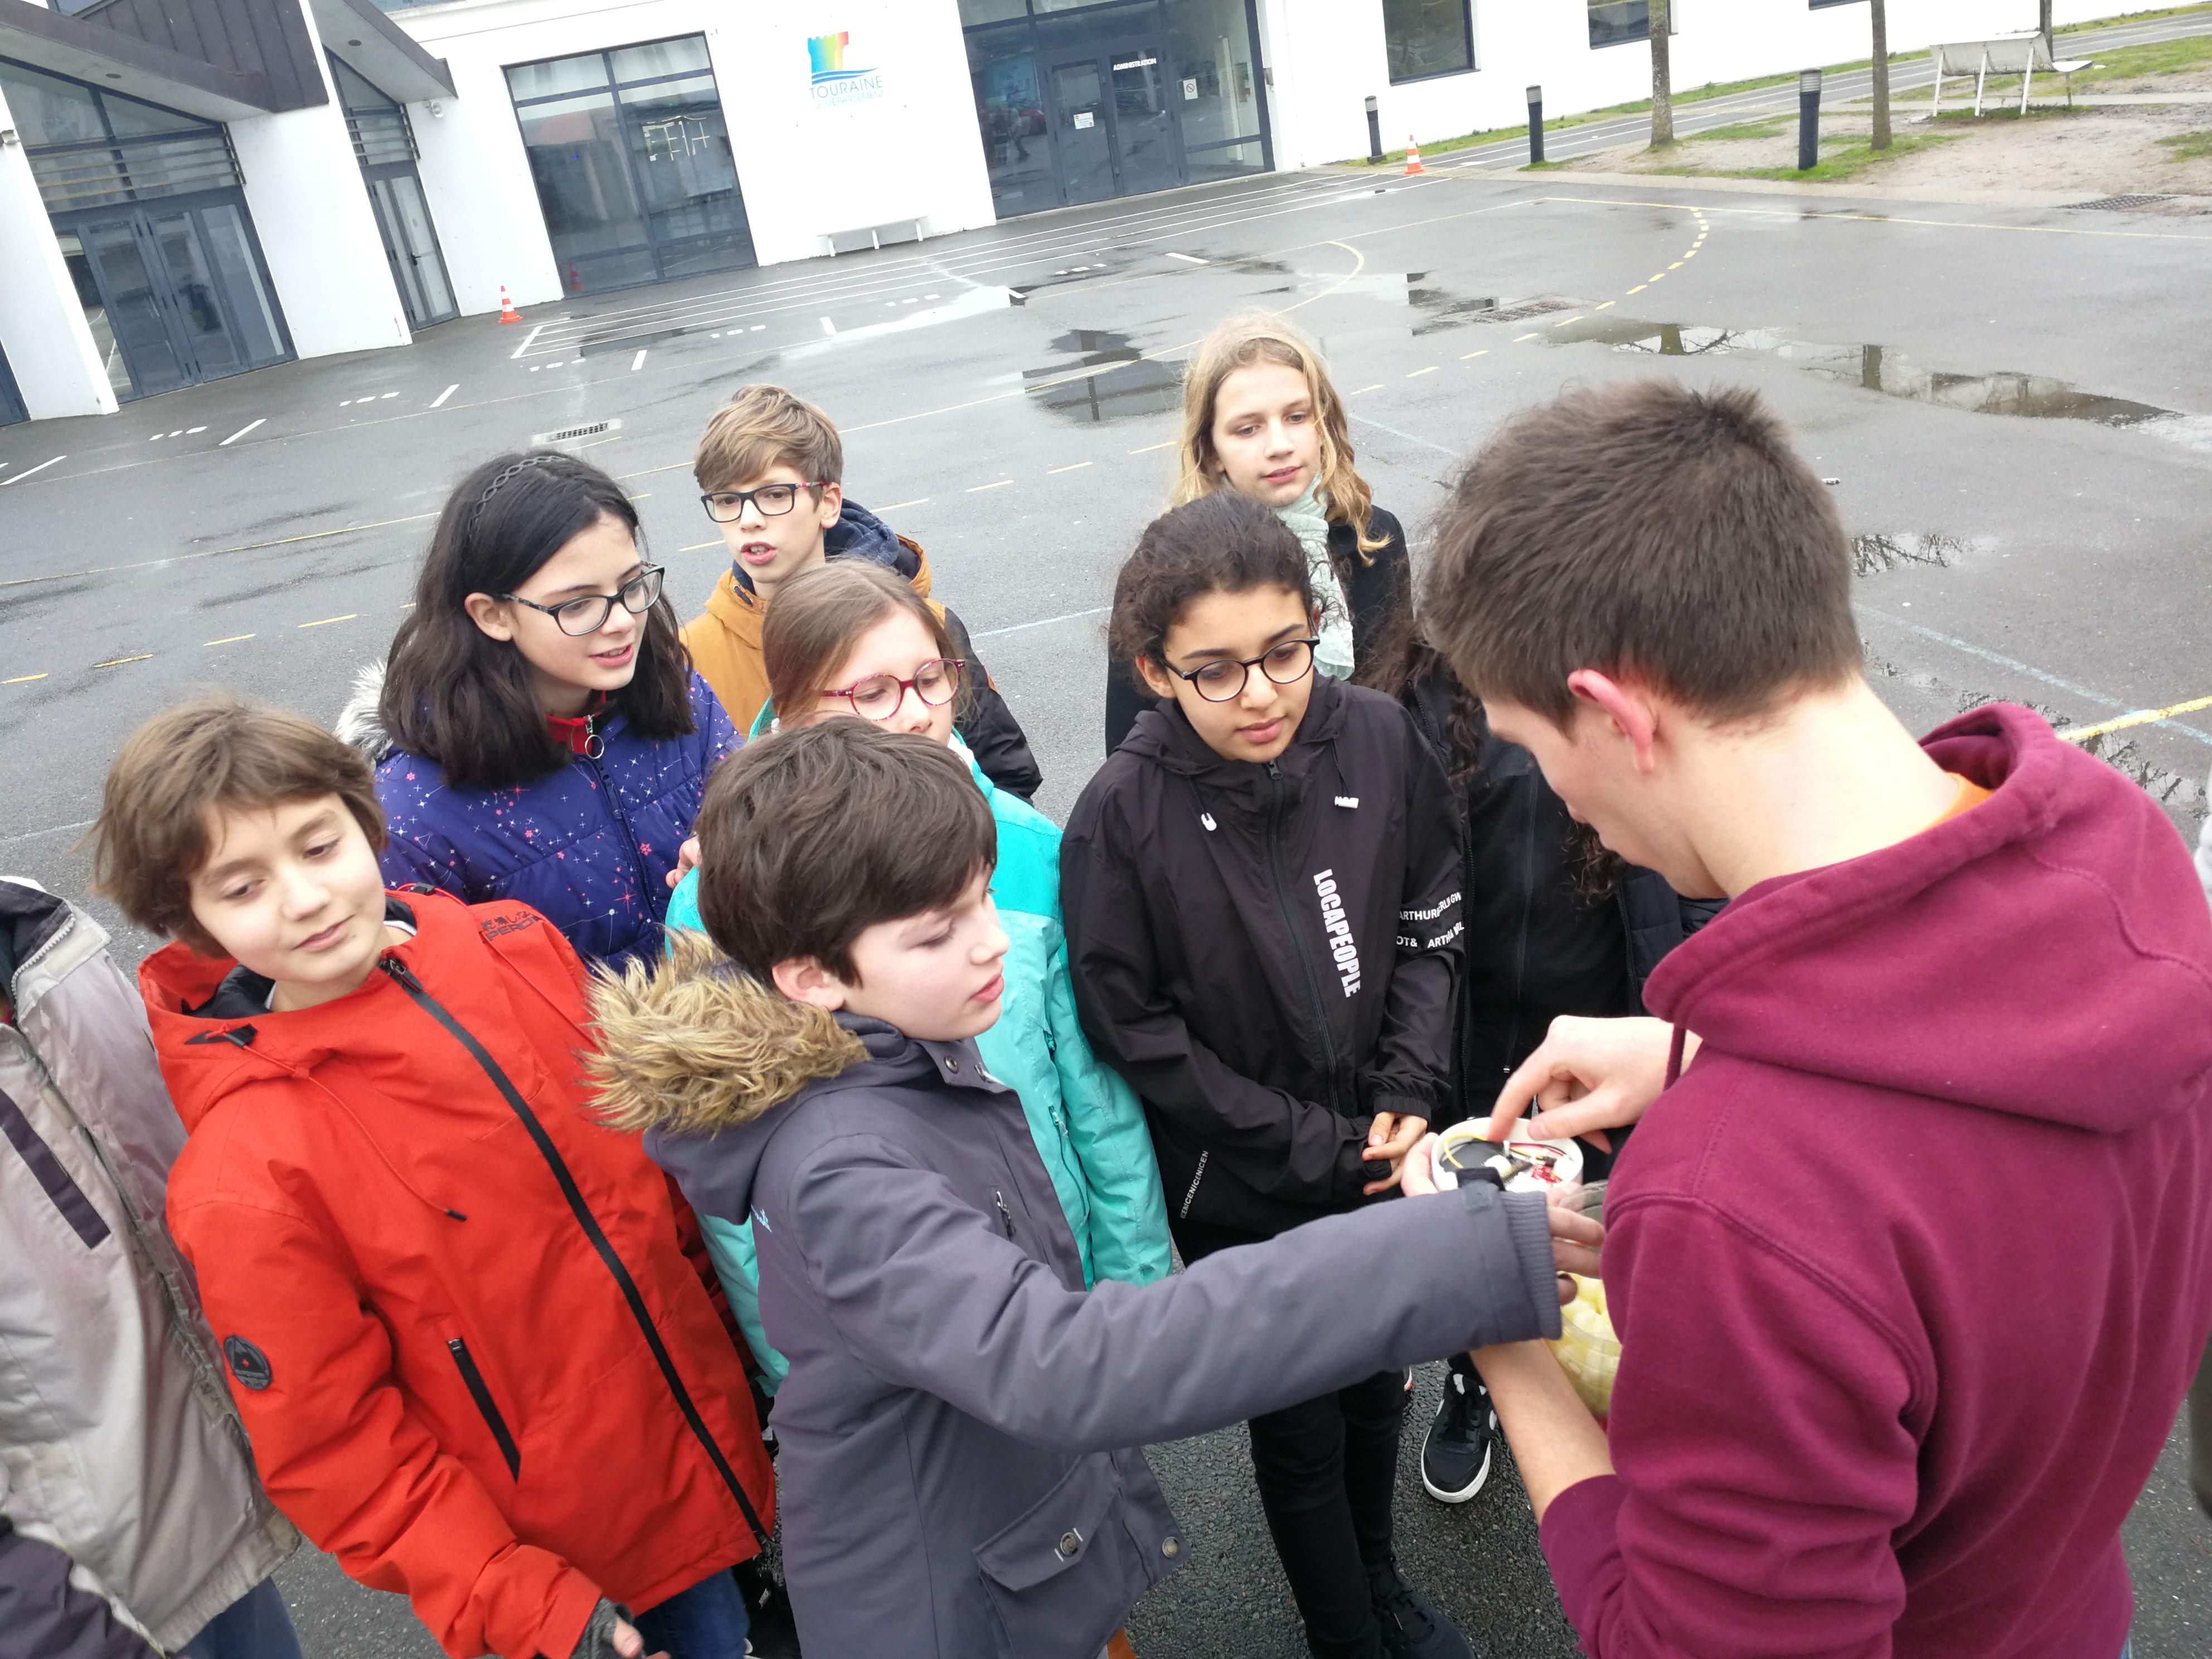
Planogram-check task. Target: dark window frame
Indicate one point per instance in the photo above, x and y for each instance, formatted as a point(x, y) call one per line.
point(1466, 31)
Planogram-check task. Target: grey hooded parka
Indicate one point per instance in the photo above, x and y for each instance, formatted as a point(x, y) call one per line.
point(130, 1515)
point(958, 1475)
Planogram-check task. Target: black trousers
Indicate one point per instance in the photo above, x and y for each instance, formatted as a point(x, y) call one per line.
point(1326, 1469)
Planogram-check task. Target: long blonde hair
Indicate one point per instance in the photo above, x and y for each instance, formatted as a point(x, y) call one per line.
point(1241, 342)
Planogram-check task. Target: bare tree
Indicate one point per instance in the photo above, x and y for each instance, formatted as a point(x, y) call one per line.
point(1663, 83)
point(1879, 12)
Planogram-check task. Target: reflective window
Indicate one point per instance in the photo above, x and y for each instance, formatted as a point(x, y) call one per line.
point(635, 175)
point(973, 12)
point(1215, 85)
point(1612, 22)
point(1428, 37)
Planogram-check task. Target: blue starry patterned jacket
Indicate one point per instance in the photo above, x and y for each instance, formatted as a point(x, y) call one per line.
point(589, 847)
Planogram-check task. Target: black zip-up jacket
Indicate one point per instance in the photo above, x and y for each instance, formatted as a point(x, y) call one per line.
point(1376, 589)
point(1269, 954)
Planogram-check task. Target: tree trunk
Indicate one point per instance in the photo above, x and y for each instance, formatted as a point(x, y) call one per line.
point(2043, 22)
point(1879, 11)
point(1662, 84)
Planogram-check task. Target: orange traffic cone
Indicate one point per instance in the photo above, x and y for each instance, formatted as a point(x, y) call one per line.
point(1413, 158)
point(508, 314)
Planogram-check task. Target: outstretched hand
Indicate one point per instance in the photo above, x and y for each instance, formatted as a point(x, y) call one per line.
point(1576, 1238)
point(687, 859)
point(1586, 1077)
point(1389, 1140)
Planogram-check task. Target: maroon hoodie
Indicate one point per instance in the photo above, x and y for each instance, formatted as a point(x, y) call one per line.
point(1913, 1266)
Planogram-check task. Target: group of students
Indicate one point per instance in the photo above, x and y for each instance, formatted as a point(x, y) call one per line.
point(622, 1051)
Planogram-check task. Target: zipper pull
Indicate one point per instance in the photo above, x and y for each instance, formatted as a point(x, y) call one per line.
point(1005, 1216)
point(396, 969)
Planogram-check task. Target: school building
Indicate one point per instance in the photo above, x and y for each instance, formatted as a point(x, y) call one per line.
point(196, 188)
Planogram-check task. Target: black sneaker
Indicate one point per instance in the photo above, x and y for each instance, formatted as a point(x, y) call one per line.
point(1412, 1628)
point(1456, 1457)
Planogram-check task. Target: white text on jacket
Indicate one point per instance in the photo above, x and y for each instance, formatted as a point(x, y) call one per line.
point(1341, 943)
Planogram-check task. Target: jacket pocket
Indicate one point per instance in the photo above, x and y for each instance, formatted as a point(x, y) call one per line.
point(1063, 1576)
point(489, 1407)
point(60, 1187)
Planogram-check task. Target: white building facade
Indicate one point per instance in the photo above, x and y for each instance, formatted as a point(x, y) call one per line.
point(182, 199)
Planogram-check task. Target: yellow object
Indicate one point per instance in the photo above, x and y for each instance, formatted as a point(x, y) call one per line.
point(1586, 1349)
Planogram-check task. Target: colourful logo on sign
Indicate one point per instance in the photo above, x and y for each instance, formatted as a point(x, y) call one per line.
point(828, 52)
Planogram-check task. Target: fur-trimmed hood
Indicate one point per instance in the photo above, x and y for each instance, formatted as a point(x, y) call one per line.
point(361, 722)
point(691, 1045)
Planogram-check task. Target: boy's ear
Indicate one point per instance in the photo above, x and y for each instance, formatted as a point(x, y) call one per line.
point(1155, 676)
point(833, 504)
point(802, 979)
point(490, 615)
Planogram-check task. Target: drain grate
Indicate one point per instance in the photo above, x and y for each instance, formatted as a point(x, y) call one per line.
point(570, 433)
point(2119, 201)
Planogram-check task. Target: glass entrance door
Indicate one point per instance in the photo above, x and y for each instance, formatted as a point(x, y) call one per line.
point(174, 294)
point(1085, 131)
point(1146, 154)
point(411, 245)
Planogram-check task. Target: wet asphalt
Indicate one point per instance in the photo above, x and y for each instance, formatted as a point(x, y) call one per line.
point(2014, 403)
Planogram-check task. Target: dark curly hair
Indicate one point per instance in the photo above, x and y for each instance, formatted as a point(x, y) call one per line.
point(1218, 544)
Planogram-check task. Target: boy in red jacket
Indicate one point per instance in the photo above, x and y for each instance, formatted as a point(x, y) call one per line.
point(469, 1329)
point(1912, 1266)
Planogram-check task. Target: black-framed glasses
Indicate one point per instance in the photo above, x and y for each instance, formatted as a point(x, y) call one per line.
point(1225, 680)
point(589, 614)
point(728, 506)
point(878, 697)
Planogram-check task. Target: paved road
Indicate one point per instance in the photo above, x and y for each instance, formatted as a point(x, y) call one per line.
point(2010, 402)
point(1915, 73)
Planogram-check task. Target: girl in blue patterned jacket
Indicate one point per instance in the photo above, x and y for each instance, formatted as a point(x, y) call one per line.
point(538, 734)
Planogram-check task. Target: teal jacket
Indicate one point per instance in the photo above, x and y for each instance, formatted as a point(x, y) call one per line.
point(1088, 1125)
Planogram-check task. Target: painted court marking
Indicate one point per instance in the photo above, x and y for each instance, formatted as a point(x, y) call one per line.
point(241, 433)
point(40, 467)
point(440, 400)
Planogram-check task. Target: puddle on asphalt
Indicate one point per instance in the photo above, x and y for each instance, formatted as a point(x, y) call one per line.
point(1880, 368)
point(1872, 554)
point(1147, 386)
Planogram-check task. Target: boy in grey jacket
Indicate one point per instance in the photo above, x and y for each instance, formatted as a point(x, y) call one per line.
point(130, 1521)
point(958, 1472)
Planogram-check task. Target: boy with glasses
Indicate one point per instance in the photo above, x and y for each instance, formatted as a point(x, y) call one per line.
point(771, 468)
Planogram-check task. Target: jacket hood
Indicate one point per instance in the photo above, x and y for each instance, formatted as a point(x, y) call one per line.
point(361, 722)
point(2043, 955)
point(31, 920)
point(690, 1045)
point(1164, 736)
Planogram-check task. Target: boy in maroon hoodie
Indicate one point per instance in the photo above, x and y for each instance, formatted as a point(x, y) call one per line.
point(1913, 1266)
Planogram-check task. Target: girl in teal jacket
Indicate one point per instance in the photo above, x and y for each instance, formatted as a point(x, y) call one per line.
point(848, 639)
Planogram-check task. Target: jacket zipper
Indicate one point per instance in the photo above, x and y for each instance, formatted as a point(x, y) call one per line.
point(1006, 1215)
point(399, 974)
point(1283, 903)
point(479, 1392)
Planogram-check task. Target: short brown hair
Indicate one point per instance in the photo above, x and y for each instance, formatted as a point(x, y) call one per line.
point(763, 427)
point(819, 613)
point(1649, 529)
point(177, 770)
point(812, 836)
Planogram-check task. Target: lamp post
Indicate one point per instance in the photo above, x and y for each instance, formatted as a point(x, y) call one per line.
point(1374, 133)
point(1535, 125)
point(1808, 119)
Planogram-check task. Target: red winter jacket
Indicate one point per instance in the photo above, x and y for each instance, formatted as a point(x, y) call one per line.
point(1913, 1266)
point(459, 1317)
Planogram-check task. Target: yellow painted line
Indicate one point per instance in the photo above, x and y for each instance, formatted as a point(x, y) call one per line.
point(1894, 219)
point(1072, 466)
point(1691, 254)
point(2142, 717)
point(1656, 277)
point(1564, 321)
point(1639, 288)
point(919, 500)
point(1356, 391)
point(326, 620)
point(1000, 484)
point(409, 605)
point(1519, 337)
point(1415, 374)
point(233, 640)
point(118, 662)
point(217, 552)
point(22, 679)
point(1604, 305)
point(1464, 355)
point(1677, 265)
point(695, 547)
point(1149, 448)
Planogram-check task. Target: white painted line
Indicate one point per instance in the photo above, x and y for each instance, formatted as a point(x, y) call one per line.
point(575, 362)
point(446, 393)
point(1000, 484)
point(919, 500)
point(1041, 621)
point(534, 332)
point(756, 328)
point(638, 361)
point(1412, 374)
point(1073, 467)
point(179, 432)
point(158, 436)
point(929, 296)
point(1149, 448)
point(190, 430)
point(1188, 259)
point(828, 327)
point(392, 394)
point(40, 467)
